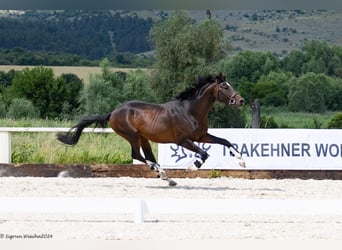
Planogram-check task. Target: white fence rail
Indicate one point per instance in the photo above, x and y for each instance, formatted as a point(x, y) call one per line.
point(142, 207)
point(5, 137)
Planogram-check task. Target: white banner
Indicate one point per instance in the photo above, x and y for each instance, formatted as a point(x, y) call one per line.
point(319, 149)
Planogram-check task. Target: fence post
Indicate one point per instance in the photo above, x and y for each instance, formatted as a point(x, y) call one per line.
point(256, 120)
point(139, 212)
point(5, 147)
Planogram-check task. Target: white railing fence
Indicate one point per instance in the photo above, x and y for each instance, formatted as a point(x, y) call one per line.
point(142, 207)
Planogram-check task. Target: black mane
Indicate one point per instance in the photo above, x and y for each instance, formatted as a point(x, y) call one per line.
point(192, 92)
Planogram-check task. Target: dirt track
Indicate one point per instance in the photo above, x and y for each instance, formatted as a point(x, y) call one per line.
point(114, 226)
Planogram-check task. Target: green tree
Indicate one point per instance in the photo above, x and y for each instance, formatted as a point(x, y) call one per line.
point(222, 116)
point(103, 92)
point(249, 65)
point(184, 50)
point(137, 87)
point(334, 94)
point(57, 95)
point(46, 92)
point(317, 54)
point(22, 108)
point(310, 93)
point(314, 56)
point(247, 90)
point(273, 89)
point(335, 64)
point(73, 85)
point(293, 62)
point(33, 84)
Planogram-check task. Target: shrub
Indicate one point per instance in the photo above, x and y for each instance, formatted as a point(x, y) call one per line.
point(103, 92)
point(309, 94)
point(336, 121)
point(222, 116)
point(268, 122)
point(214, 173)
point(22, 108)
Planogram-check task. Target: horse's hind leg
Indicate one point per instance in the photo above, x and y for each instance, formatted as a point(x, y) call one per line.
point(151, 161)
point(149, 158)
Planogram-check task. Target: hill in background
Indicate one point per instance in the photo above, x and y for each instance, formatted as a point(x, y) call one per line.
point(96, 34)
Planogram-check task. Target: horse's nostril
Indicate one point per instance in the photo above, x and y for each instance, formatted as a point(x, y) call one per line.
point(242, 101)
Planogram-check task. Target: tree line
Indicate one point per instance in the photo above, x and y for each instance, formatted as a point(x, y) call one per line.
point(88, 34)
point(307, 79)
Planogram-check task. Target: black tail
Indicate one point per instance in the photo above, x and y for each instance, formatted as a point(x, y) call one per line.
point(74, 134)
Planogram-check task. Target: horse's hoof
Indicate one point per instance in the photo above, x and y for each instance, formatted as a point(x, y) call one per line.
point(192, 168)
point(172, 183)
point(242, 164)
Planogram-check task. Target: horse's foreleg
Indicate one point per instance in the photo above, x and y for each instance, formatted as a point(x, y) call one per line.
point(197, 163)
point(208, 138)
point(238, 155)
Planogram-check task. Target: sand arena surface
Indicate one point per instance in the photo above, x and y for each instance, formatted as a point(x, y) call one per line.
point(171, 227)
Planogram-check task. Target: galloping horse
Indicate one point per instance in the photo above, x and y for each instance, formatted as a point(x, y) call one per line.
point(182, 121)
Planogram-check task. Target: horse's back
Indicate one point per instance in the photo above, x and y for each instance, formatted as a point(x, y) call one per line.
point(152, 121)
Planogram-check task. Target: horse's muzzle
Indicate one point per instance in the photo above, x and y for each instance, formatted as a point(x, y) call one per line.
point(237, 101)
point(241, 102)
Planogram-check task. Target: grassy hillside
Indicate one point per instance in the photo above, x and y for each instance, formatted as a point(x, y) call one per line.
point(274, 30)
point(271, 30)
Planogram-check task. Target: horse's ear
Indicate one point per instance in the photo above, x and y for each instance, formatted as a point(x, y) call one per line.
point(220, 78)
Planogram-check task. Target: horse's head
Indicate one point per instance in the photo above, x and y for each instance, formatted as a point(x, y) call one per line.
point(225, 93)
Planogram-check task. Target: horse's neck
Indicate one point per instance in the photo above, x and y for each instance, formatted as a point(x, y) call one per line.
point(201, 106)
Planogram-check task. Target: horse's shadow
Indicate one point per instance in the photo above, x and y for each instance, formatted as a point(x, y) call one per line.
point(180, 187)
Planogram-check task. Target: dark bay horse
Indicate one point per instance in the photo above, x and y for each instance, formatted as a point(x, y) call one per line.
point(182, 121)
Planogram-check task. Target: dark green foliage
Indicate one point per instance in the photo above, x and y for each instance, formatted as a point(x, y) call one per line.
point(247, 90)
point(6, 79)
point(249, 65)
point(88, 34)
point(334, 94)
point(22, 108)
point(293, 62)
point(21, 56)
point(273, 89)
point(223, 116)
point(268, 122)
point(73, 86)
point(2, 108)
point(336, 121)
point(315, 56)
point(137, 87)
point(47, 93)
point(34, 85)
point(309, 94)
point(104, 91)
